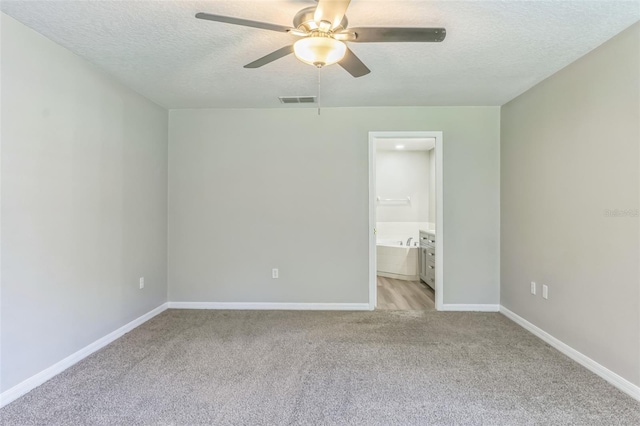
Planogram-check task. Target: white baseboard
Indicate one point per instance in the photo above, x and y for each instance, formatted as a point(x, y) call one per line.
point(271, 306)
point(469, 307)
point(620, 382)
point(34, 381)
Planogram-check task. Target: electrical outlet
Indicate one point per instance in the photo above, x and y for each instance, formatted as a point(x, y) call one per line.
point(545, 292)
point(275, 273)
point(141, 283)
point(533, 288)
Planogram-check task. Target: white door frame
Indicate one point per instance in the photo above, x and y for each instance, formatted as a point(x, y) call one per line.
point(373, 290)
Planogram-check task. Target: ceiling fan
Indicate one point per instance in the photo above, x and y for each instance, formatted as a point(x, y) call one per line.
point(323, 32)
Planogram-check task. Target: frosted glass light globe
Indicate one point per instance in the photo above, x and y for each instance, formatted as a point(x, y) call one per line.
point(319, 51)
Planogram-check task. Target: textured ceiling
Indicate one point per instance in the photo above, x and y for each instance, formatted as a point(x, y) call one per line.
point(494, 50)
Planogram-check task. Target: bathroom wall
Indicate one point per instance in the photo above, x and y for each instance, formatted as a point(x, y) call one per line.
point(432, 187)
point(402, 174)
point(401, 230)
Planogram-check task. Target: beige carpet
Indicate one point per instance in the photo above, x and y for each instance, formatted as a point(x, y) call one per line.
point(330, 368)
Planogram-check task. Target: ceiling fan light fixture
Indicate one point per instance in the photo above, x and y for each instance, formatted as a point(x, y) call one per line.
point(319, 51)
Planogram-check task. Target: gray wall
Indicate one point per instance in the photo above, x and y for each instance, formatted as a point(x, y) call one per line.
point(401, 174)
point(254, 189)
point(570, 151)
point(84, 184)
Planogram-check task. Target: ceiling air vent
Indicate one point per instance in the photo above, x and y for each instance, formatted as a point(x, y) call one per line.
point(297, 99)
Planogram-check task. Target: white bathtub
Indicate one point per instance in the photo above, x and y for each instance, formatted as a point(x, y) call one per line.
point(397, 261)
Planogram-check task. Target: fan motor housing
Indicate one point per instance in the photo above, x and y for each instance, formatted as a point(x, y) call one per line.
point(304, 21)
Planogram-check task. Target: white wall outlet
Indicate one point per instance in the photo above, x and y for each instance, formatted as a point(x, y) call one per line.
point(141, 283)
point(545, 292)
point(533, 288)
point(275, 273)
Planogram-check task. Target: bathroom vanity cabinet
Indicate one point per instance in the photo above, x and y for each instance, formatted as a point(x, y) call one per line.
point(427, 258)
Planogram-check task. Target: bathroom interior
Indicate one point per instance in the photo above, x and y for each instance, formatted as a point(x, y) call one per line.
point(405, 223)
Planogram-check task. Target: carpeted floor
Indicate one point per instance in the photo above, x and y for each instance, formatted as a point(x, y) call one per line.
point(356, 368)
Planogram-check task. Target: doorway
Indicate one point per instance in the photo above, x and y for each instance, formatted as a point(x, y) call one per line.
point(405, 220)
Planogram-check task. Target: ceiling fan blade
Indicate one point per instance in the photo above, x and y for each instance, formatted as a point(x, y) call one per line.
point(280, 53)
point(387, 35)
point(243, 22)
point(345, 35)
point(331, 11)
point(353, 65)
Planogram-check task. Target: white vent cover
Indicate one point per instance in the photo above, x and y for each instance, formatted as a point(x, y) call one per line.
point(297, 99)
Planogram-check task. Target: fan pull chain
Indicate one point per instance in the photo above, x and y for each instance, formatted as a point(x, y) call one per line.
point(319, 90)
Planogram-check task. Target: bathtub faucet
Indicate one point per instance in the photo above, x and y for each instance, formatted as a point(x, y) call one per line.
point(409, 241)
